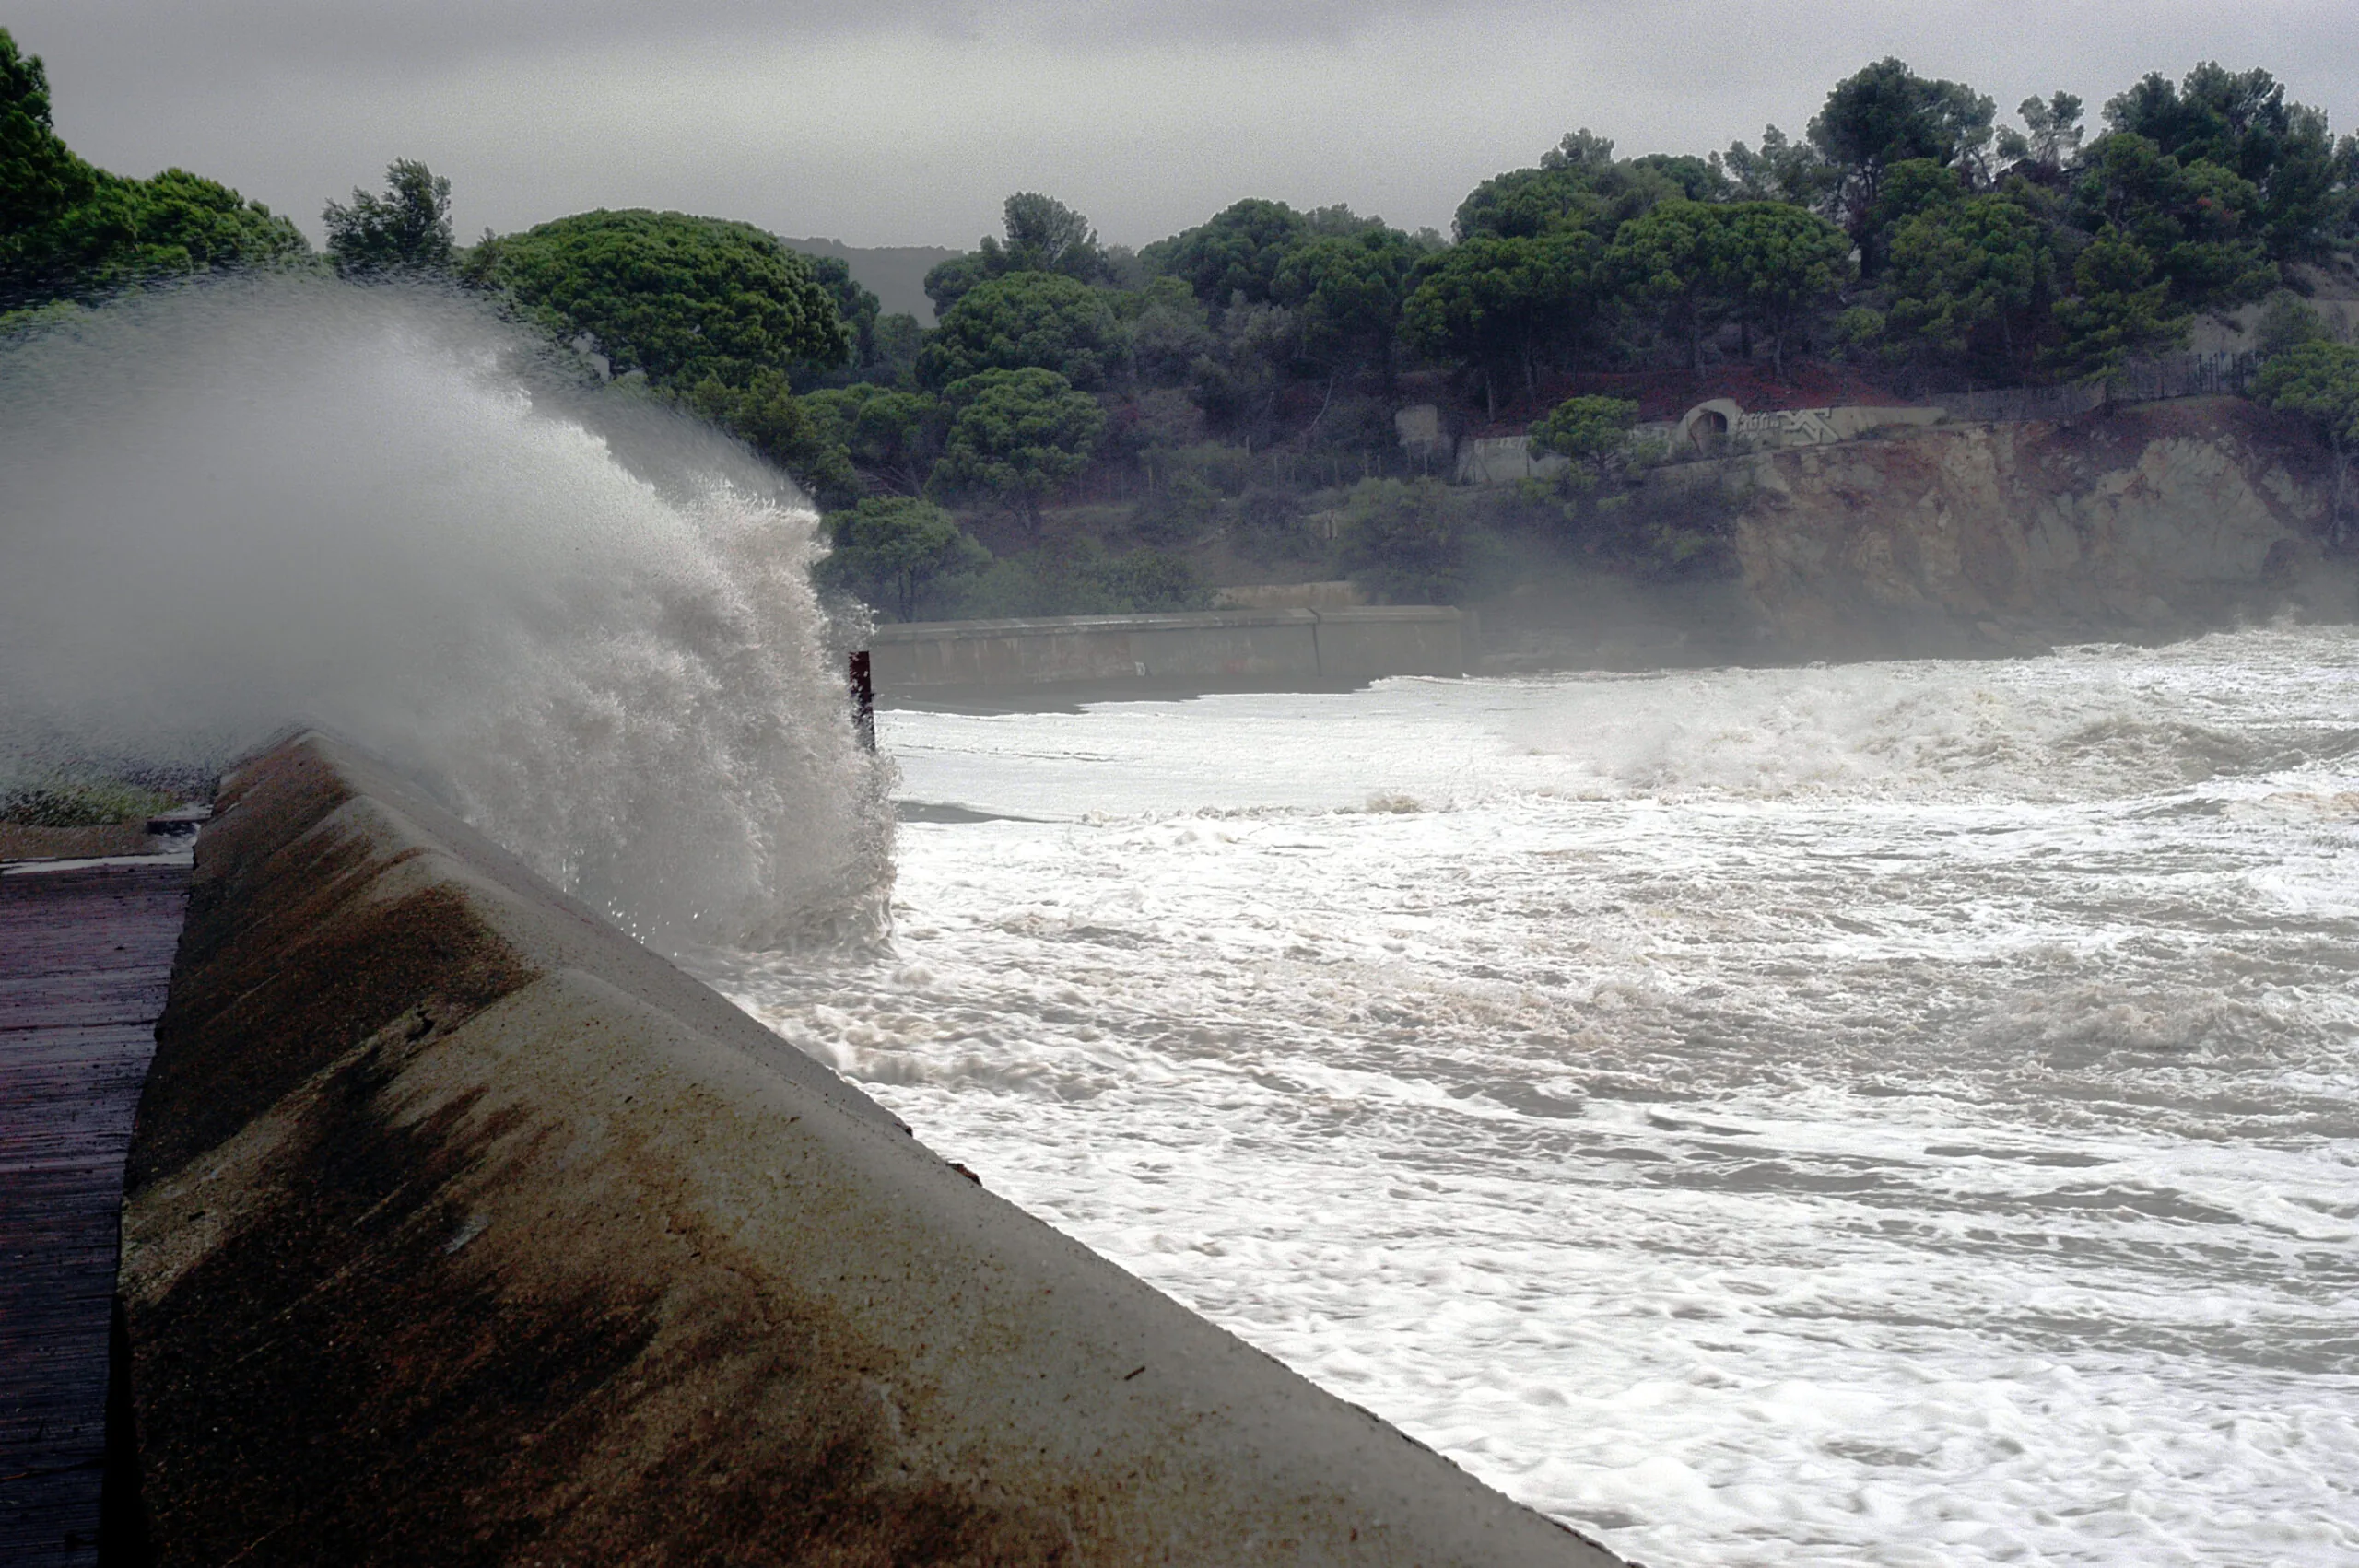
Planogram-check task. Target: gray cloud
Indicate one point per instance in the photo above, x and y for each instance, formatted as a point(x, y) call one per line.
point(905, 121)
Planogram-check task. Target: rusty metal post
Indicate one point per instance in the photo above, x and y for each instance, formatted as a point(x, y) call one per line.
point(863, 700)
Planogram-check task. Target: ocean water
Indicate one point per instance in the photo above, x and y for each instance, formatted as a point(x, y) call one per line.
point(1897, 1114)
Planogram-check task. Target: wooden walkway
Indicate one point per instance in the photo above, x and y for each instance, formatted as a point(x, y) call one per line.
point(86, 954)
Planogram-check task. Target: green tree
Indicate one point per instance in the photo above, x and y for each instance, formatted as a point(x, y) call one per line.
point(1782, 170)
point(1887, 114)
point(2050, 138)
point(1348, 293)
point(716, 315)
point(1238, 380)
point(2242, 122)
point(1026, 319)
point(686, 300)
point(67, 229)
point(1499, 305)
point(2193, 220)
point(1019, 434)
point(1236, 255)
point(1168, 330)
point(1959, 269)
point(895, 436)
point(855, 307)
point(1776, 264)
point(2287, 321)
point(2321, 382)
point(1674, 258)
point(173, 225)
point(1590, 431)
point(1580, 184)
point(948, 281)
point(1403, 541)
point(407, 229)
point(764, 412)
point(2118, 310)
point(891, 549)
point(1043, 234)
point(40, 177)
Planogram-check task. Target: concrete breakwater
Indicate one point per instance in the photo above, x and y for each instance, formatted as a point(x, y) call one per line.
point(1242, 646)
point(460, 1228)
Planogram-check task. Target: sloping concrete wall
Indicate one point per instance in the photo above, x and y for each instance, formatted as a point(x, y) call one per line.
point(461, 1229)
point(1241, 645)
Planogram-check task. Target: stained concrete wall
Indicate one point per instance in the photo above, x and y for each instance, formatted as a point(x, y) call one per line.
point(1243, 646)
point(461, 1229)
point(1503, 460)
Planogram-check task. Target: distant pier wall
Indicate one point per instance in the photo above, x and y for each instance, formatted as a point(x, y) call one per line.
point(1241, 646)
point(460, 1228)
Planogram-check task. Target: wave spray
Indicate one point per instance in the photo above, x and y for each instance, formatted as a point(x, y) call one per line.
point(583, 620)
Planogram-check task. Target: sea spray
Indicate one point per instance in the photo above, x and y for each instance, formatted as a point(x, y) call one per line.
point(583, 619)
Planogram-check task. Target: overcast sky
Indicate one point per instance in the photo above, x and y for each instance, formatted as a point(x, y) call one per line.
point(905, 121)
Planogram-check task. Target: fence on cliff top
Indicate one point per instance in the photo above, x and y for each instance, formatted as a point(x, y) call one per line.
point(2144, 381)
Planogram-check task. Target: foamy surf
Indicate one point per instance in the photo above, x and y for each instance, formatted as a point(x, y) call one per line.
point(1891, 1114)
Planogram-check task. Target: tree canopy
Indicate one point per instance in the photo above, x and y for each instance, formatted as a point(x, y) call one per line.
point(893, 434)
point(1498, 304)
point(1589, 431)
point(1887, 114)
point(1019, 434)
point(893, 548)
point(2319, 381)
point(40, 176)
point(67, 229)
point(407, 229)
point(855, 306)
point(1966, 268)
point(1043, 236)
point(1348, 292)
point(1235, 255)
point(2241, 123)
point(1026, 319)
point(683, 298)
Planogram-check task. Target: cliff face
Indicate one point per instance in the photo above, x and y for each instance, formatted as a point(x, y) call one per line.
point(2152, 520)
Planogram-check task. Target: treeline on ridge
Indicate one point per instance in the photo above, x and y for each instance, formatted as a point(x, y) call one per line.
point(1239, 381)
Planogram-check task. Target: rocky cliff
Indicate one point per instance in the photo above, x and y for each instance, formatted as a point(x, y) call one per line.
point(2151, 520)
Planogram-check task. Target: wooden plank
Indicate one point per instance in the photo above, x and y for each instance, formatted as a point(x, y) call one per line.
point(84, 959)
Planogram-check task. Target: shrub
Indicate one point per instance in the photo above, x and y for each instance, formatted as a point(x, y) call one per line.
point(1401, 542)
point(80, 803)
point(1184, 510)
point(1082, 579)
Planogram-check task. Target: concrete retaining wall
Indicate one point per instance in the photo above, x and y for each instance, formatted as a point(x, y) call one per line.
point(1214, 647)
point(461, 1229)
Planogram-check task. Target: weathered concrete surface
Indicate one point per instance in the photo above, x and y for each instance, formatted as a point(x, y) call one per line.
point(464, 1230)
point(1374, 640)
point(2154, 520)
point(1247, 645)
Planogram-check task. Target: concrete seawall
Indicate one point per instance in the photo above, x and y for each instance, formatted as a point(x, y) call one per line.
point(1272, 647)
point(461, 1229)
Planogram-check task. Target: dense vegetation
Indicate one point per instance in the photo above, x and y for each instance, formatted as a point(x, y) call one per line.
point(70, 231)
point(1249, 367)
point(1115, 424)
